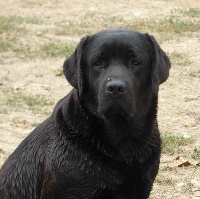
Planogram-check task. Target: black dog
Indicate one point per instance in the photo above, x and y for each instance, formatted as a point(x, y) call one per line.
point(102, 139)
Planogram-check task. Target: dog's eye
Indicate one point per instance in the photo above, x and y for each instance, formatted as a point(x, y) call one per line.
point(98, 63)
point(135, 62)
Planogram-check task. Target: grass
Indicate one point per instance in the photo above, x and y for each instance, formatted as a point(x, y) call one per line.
point(48, 50)
point(180, 26)
point(9, 23)
point(179, 59)
point(168, 28)
point(59, 72)
point(190, 12)
point(161, 180)
point(13, 27)
point(195, 154)
point(189, 99)
point(57, 49)
point(9, 30)
point(195, 74)
point(13, 23)
point(19, 101)
point(4, 46)
point(188, 187)
point(35, 124)
point(172, 144)
point(4, 110)
point(167, 168)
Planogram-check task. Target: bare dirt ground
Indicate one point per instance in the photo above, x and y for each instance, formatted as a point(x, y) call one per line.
point(21, 75)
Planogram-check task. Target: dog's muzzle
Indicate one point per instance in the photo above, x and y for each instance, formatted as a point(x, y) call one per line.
point(115, 98)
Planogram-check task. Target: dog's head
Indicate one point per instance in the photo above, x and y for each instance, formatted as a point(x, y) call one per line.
point(115, 68)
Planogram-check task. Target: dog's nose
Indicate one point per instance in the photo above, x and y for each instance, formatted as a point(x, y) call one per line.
point(115, 87)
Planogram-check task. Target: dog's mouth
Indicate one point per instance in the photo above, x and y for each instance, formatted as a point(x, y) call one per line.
point(115, 110)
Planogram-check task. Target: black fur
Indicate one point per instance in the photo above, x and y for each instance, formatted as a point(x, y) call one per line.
point(102, 139)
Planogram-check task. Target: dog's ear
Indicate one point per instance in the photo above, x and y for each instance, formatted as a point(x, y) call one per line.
point(73, 68)
point(160, 65)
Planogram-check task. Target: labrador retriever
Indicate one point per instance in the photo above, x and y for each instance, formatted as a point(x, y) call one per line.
point(102, 140)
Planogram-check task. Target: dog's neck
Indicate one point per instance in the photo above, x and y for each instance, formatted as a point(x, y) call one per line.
point(122, 136)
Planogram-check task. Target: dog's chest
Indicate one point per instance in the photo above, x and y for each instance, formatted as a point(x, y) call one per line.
point(105, 174)
point(113, 180)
